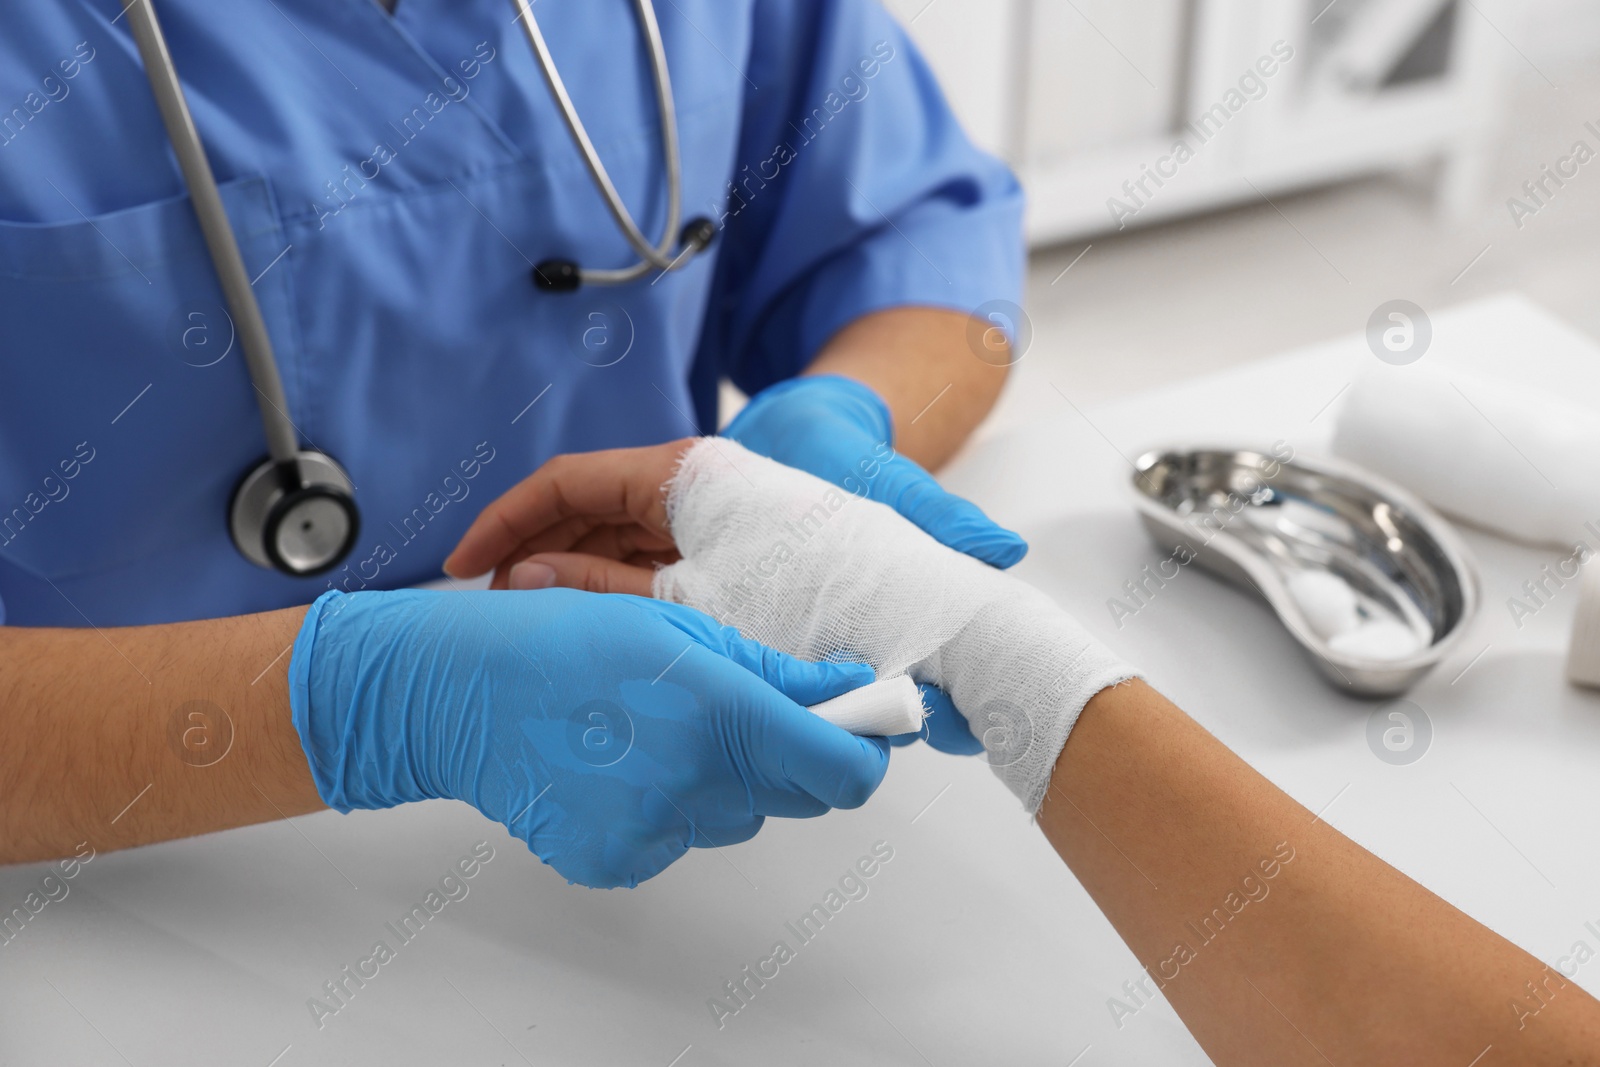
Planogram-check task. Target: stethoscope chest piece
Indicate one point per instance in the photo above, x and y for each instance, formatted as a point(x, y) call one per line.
point(301, 520)
point(295, 511)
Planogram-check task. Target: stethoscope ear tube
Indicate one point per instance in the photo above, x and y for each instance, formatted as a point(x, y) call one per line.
point(674, 249)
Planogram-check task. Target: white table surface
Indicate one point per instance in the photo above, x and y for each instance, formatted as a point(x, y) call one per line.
point(974, 944)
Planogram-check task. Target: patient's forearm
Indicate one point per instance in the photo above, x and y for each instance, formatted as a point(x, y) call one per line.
point(117, 737)
point(1277, 939)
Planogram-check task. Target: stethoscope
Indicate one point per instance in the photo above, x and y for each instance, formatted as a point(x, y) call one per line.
point(295, 511)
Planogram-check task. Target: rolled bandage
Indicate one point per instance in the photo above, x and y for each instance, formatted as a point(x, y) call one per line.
point(1496, 452)
point(885, 708)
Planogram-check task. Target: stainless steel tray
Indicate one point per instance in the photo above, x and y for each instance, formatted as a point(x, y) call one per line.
point(1264, 521)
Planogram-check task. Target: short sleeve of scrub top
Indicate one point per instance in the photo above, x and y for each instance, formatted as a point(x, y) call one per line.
point(856, 190)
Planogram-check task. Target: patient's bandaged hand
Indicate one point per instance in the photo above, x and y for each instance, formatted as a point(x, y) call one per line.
point(803, 566)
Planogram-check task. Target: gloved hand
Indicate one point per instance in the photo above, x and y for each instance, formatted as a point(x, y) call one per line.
point(611, 733)
point(839, 430)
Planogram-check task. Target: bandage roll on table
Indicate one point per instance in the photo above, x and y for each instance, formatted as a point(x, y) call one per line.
point(1507, 457)
point(1583, 650)
point(1504, 456)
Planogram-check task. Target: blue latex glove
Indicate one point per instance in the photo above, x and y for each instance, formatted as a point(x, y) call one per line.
point(611, 733)
point(839, 430)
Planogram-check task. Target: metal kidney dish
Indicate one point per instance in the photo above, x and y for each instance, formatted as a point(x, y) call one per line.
point(1373, 583)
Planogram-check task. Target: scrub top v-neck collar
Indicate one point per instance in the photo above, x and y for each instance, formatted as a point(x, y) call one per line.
point(394, 30)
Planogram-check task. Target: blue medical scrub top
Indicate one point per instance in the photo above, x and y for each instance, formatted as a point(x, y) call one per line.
point(391, 181)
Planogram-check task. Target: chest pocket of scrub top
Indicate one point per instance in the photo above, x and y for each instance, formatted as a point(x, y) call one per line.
point(126, 411)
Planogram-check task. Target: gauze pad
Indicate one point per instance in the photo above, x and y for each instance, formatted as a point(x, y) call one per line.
point(803, 566)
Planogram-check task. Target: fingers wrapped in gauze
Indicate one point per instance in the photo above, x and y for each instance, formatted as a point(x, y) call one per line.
point(805, 567)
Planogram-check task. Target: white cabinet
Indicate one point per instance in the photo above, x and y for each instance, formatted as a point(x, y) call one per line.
point(1123, 112)
point(973, 45)
point(1101, 72)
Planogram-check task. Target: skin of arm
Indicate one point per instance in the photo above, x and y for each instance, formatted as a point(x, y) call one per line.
point(1299, 946)
point(104, 751)
point(1333, 957)
point(920, 360)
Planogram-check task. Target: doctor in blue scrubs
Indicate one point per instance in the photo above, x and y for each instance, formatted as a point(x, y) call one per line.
point(255, 384)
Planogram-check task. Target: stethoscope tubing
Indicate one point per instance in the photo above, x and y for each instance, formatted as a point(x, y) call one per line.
point(295, 478)
point(663, 255)
point(254, 340)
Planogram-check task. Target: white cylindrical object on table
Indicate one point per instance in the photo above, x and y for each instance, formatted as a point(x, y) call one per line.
point(885, 708)
point(1501, 455)
point(1583, 651)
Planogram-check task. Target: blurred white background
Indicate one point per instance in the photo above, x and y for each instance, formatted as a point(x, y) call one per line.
point(1377, 163)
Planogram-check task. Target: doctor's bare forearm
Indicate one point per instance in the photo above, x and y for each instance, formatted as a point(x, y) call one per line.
point(1277, 939)
point(922, 362)
point(126, 736)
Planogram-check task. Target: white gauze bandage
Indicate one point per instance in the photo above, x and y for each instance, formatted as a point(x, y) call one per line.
point(806, 567)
